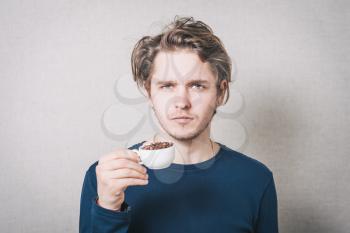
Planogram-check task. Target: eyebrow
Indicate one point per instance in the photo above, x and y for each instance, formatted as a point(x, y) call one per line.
point(201, 81)
point(161, 82)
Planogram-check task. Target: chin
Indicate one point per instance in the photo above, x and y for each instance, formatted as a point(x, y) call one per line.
point(183, 137)
point(183, 134)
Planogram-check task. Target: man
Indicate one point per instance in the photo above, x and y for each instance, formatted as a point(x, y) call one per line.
point(209, 187)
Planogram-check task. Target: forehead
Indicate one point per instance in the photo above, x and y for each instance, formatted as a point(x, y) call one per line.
point(180, 65)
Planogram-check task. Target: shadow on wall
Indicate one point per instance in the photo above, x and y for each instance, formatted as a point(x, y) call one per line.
point(281, 134)
point(307, 218)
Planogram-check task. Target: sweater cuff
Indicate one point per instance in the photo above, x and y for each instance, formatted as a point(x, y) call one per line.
point(124, 212)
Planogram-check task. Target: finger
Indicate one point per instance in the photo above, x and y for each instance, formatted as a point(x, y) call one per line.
point(122, 163)
point(124, 183)
point(126, 173)
point(119, 154)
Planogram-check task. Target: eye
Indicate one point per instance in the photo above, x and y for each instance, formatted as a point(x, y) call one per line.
point(166, 86)
point(198, 86)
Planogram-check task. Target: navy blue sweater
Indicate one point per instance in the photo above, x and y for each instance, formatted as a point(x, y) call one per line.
point(230, 192)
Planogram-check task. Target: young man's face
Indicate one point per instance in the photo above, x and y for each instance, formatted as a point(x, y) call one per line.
point(183, 93)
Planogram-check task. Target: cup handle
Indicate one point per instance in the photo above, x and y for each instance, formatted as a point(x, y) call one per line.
point(137, 152)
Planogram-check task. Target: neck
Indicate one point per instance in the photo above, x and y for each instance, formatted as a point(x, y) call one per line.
point(191, 151)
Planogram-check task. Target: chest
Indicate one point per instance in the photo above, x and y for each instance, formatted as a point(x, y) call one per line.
point(198, 207)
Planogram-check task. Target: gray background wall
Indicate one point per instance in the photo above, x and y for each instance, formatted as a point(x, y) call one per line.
point(62, 107)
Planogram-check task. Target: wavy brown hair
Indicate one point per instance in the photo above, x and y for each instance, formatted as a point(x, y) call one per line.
point(182, 33)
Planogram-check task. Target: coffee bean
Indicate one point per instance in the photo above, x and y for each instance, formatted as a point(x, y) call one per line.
point(157, 145)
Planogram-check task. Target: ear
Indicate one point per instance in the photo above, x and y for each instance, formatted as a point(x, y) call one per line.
point(223, 88)
point(149, 97)
point(150, 101)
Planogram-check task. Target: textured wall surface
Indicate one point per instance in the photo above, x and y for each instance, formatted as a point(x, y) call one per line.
point(67, 98)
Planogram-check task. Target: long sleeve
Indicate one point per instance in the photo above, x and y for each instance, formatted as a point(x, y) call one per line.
point(95, 219)
point(267, 221)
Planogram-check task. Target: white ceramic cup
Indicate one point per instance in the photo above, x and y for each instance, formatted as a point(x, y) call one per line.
point(156, 159)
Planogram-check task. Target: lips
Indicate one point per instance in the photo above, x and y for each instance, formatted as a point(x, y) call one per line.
point(182, 119)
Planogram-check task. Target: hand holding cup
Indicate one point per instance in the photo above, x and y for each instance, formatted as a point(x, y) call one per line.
point(115, 172)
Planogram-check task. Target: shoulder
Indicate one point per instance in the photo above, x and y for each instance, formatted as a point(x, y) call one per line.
point(245, 164)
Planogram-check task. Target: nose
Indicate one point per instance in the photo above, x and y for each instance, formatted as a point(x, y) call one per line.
point(182, 100)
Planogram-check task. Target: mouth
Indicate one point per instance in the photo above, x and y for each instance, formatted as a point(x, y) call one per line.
point(182, 119)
